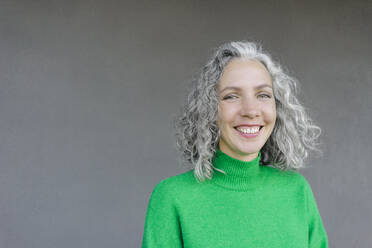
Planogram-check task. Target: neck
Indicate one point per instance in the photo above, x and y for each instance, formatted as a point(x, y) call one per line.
point(239, 175)
point(237, 155)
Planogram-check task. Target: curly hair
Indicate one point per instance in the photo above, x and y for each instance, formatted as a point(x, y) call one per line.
point(197, 133)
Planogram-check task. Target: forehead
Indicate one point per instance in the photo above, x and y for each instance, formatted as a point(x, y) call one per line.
point(243, 72)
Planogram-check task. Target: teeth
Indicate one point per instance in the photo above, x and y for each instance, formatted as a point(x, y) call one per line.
point(248, 130)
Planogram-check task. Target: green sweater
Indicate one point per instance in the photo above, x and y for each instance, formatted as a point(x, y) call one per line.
point(249, 206)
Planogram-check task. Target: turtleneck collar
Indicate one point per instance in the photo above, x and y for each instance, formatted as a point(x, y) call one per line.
point(240, 175)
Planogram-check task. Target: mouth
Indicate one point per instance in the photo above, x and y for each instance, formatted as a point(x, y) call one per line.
point(248, 131)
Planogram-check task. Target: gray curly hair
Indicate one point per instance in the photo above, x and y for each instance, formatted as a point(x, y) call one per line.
point(197, 133)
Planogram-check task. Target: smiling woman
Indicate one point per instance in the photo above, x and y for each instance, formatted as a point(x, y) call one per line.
point(246, 109)
point(245, 134)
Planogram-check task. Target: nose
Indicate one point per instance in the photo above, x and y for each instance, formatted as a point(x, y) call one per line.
point(249, 108)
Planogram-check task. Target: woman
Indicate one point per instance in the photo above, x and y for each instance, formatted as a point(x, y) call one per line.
point(245, 135)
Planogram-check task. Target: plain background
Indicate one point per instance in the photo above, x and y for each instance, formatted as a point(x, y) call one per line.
point(89, 90)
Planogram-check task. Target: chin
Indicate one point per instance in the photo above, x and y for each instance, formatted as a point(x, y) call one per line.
point(248, 152)
point(248, 149)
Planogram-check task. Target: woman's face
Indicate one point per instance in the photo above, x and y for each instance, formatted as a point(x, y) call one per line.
point(247, 109)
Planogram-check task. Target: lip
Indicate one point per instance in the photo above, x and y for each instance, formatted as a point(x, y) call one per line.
point(249, 125)
point(249, 135)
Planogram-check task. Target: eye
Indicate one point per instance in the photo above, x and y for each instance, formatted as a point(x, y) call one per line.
point(264, 95)
point(230, 97)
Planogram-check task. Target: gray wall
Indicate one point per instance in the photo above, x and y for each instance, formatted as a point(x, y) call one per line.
point(89, 89)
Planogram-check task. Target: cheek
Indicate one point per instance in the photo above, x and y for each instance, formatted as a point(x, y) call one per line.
point(270, 113)
point(225, 116)
point(273, 114)
point(221, 112)
point(227, 111)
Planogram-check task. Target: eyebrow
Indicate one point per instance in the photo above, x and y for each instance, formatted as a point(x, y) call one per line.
point(258, 87)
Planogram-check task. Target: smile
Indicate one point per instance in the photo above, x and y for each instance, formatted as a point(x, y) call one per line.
point(248, 129)
point(249, 132)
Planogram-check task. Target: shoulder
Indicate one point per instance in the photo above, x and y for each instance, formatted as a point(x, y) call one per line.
point(291, 178)
point(172, 187)
point(176, 182)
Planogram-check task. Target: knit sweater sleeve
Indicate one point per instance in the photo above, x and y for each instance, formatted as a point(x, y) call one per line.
point(317, 234)
point(162, 227)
